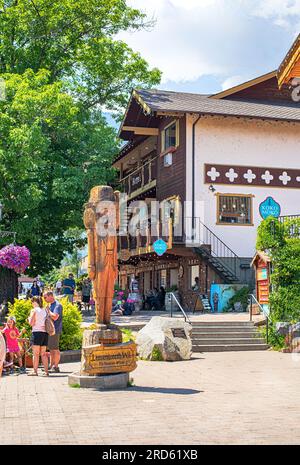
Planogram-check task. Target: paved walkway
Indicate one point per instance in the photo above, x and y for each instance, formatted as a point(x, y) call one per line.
point(231, 398)
point(143, 317)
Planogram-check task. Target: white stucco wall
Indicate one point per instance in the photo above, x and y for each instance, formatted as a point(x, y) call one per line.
point(242, 142)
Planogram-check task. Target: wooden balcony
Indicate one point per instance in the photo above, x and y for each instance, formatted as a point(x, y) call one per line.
point(140, 180)
point(143, 242)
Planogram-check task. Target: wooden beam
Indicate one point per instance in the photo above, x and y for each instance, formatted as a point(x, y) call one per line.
point(141, 131)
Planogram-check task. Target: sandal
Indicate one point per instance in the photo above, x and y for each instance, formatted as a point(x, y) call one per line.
point(45, 375)
point(33, 373)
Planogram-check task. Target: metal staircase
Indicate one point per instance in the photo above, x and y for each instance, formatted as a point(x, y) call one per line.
point(214, 252)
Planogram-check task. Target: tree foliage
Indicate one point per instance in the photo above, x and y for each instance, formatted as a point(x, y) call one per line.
point(76, 41)
point(62, 64)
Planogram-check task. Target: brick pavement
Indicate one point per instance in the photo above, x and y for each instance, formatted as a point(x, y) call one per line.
point(232, 398)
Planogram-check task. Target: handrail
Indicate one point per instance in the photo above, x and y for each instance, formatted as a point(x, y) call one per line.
point(252, 297)
point(215, 236)
point(218, 248)
point(186, 318)
point(137, 169)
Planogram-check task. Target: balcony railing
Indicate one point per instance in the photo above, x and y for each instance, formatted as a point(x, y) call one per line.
point(141, 179)
point(143, 240)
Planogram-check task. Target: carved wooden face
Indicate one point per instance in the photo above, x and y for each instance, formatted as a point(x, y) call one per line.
point(89, 218)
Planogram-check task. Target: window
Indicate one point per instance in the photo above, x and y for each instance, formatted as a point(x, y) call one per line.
point(170, 136)
point(194, 277)
point(163, 278)
point(234, 209)
point(168, 159)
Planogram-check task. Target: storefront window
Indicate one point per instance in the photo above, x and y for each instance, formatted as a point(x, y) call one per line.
point(163, 278)
point(194, 277)
point(234, 209)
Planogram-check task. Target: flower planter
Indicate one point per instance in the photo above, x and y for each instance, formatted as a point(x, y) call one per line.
point(28, 362)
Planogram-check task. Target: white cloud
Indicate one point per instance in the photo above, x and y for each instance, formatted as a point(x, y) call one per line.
point(233, 81)
point(194, 38)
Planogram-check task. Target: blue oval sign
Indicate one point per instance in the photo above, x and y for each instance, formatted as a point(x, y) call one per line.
point(160, 247)
point(269, 207)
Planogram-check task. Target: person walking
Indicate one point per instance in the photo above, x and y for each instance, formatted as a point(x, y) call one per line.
point(35, 289)
point(56, 313)
point(39, 337)
point(69, 287)
point(58, 287)
point(86, 293)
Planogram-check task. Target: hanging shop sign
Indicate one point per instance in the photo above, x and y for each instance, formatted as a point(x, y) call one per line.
point(160, 247)
point(269, 207)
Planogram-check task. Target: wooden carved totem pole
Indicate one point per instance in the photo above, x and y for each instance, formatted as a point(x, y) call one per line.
point(101, 219)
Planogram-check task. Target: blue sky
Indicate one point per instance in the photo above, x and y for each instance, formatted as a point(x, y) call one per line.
point(205, 46)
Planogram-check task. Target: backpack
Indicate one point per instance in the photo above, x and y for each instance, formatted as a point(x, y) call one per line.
point(49, 325)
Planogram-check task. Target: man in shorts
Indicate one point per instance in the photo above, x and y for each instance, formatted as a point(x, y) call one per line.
point(53, 341)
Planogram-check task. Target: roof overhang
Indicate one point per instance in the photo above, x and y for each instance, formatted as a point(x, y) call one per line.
point(244, 85)
point(290, 66)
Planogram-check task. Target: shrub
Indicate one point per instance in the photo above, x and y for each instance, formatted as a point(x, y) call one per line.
point(156, 355)
point(127, 335)
point(270, 234)
point(71, 337)
point(285, 304)
point(21, 309)
point(240, 296)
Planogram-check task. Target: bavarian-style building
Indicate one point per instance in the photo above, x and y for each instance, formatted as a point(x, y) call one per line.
point(227, 158)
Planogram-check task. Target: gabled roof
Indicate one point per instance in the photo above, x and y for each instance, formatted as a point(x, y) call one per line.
point(290, 62)
point(244, 85)
point(181, 102)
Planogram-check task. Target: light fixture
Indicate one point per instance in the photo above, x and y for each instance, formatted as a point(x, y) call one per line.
point(211, 188)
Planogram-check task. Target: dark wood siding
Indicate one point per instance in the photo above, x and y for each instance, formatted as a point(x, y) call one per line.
point(171, 179)
point(267, 90)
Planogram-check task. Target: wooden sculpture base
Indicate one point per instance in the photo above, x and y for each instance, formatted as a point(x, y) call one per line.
point(105, 360)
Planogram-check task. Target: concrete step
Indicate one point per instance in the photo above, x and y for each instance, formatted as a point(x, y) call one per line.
point(228, 341)
point(224, 329)
point(198, 324)
point(229, 347)
point(225, 334)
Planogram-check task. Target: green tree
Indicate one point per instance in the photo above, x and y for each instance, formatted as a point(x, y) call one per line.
point(61, 63)
point(52, 151)
point(76, 41)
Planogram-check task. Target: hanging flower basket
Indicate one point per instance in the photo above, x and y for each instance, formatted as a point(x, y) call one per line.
point(15, 257)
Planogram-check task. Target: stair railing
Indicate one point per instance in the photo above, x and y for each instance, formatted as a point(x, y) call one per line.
point(200, 235)
point(186, 318)
point(252, 299)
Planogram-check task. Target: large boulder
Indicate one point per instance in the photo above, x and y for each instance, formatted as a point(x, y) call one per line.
point(166, 339)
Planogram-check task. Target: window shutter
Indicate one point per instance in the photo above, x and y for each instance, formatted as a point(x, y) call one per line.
point(177, 133)
point(162, 135)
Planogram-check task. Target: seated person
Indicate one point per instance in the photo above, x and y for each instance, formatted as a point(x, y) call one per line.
point(196, 286)
point(123, 308)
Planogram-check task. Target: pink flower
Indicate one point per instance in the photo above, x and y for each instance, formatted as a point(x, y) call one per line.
point(15, 257)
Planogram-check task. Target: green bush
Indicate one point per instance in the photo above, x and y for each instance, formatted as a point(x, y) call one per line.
point(240, 296)
point(275, 340)
point(71, 337)
point(156, 355)
point(270, 234)
point(285, 304)
point(21, 309)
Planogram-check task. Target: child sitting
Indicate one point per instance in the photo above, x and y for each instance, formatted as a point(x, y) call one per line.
point(12, 333)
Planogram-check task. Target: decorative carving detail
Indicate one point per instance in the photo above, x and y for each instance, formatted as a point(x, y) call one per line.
point(254, 175)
